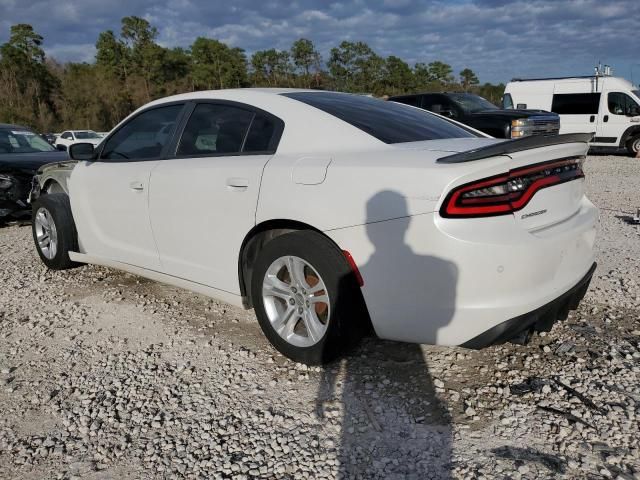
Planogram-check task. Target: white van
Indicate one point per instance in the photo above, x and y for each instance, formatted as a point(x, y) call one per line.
point(607, 106)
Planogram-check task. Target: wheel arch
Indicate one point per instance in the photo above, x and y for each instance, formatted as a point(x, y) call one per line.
point(628, 133)
point(253, 243)
point(51, 185)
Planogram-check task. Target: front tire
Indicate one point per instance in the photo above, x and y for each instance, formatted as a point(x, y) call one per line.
point(54, 232)
point(633, 145)
point(306, 298)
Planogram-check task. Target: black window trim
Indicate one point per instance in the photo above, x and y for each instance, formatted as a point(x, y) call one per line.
point(165, 150)
point(594, 95)
point(617, 92)
point(193, 103)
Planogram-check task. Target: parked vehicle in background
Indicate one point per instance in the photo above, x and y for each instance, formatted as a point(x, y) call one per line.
point(604, 105)
point(329, 212)
point(22, 152)
point(69, 137)
point(479, 113)
point(50, 137)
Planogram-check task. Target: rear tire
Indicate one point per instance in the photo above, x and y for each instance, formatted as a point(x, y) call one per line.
point(633, 145)
point(315, 313)
point(54, 232)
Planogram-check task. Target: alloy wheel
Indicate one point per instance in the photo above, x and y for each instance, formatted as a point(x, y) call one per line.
point(296, 301)
point(46, 233)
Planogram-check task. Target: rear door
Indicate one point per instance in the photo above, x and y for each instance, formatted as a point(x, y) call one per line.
point(203, 200)
point(109, 196)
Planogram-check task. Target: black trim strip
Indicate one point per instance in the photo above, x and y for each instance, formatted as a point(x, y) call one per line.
point(517, 145)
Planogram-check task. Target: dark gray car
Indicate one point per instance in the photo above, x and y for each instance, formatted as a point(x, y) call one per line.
point(22, 152)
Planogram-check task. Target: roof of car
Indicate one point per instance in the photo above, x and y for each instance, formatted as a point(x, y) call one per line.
point(11, 125)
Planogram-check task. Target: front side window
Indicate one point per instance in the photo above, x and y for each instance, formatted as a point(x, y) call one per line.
point(622, 104)
point(215, 129)
point(471, 103)
point(66, 136)
point(507, 101)
point(22, 141)
point(576, 103)
point(144, 136)
point(389, 122)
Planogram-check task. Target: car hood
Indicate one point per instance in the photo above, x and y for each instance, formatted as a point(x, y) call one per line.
point(29, 162)
point(513, 113)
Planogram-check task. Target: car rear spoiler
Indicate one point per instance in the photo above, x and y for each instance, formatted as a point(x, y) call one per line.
point(518, 145)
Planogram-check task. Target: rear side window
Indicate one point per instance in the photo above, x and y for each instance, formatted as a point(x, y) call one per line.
point(576, 103)
point(215, 129)
point(389, 122)
point(144, 136)
point(261, 134)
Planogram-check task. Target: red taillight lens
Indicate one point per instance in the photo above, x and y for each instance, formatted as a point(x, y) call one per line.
point(509, 192)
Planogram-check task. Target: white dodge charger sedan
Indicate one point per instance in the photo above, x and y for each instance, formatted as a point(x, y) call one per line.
point(330, 213)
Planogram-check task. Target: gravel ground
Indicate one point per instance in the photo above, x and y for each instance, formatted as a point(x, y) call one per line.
point(107, 375)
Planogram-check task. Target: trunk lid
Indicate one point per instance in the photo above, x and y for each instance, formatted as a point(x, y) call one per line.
point(547, 171)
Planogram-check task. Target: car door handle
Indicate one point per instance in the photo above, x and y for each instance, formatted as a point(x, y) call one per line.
point(592, 118)
point(606, 118)
point(137, 186)
point(237, 183)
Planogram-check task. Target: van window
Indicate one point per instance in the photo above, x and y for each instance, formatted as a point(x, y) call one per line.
point(622, 104)
point(575, 103)
point(507, 101)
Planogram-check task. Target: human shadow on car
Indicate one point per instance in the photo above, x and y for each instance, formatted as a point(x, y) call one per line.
point(382, 395)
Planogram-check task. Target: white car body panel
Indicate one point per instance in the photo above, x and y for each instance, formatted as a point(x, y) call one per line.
point(199, 230)
point(427, 279)
point(110, 207)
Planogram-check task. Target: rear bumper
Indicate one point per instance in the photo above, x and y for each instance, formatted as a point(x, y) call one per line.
point(540, 320)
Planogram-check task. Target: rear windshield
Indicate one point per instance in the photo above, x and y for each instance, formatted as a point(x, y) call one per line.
point(389, 122)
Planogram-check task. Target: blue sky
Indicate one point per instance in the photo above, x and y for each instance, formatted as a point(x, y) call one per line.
point(498, 39)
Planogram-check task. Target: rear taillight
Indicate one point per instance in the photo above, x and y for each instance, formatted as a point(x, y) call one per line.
point(509, 192)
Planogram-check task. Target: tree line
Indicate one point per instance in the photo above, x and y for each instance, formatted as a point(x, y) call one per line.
point(131, 69)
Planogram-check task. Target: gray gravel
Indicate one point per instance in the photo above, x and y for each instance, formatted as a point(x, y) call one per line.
point(107, 375)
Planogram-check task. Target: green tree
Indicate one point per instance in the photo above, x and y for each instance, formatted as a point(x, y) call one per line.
point(468, 78)
point(306, 58)
point(440, 72)
point(272, 68)
point(27, 86)
point(110, 53)
point(398, 77)
point(355, 67)
point(216, 65)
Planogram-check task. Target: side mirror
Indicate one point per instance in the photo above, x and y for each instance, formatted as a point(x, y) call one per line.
point(81, 151)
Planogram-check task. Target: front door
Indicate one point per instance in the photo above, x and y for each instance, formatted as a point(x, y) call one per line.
point(109, 196)
point(203, 202)
point(620, 112)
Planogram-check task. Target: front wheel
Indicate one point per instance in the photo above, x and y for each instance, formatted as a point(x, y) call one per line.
point(54, 231)
point(633, 146)
point(306, 298)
